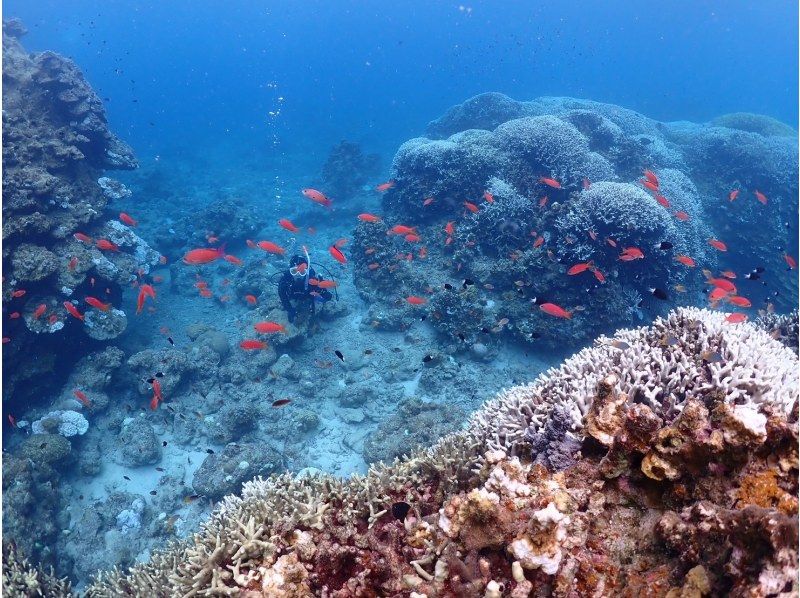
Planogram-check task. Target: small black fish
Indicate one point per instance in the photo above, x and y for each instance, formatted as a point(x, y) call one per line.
point(159, 374)
point(400, 510)
point(159, 469)
point(80, 497)
point(664, 245)
point(339, 354)
point(281, 402)
point(427, 359)
point(752, 276)
point(164, 443)
point(758, 269)
point(448, 286)
point(190, 499)
point(210, 451)
point(152, 492)
point(171, 342)
point(150, 380)
point(535, 335)
point(659, 294)
point(396, 349)
point(44, 444)
point(462, 337)
point(127, 478)
point(367, 351)
point(538, 301)
point(467, 283)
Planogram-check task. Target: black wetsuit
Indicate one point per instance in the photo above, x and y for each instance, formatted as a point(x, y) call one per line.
point(291, 289)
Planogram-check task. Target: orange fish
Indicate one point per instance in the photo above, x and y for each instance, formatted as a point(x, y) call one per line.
point(81, 396)
point(428, 202)
point(212, 239)
point(83, 238)
point(578, 268)
point(18, 293)
point(718, 245)
point(717, 294)
point(206, 293)
point(554, 310)
point(400, 229)
point(251, 244)
point(156, 279)
point(728, 274)
point(761, 197)
point(739, 301)
point(149, 291)
point(95, 302)
point(598, 275)
point(550, 182)
point(39, 311)
point(251, 299)
point(204, 255)
point(651, 176)
point(157, 396)
point(682, 216)
point(543, 202)
point(662, 200)
point(72, 264)
point(73, 311)
point(269, 327)
point(249, 344)
point(326, 284)
point(53, 319)
point(374, 266)
point(337, 254)
point(162, 260)
point(631, 253)
point(450, 228)
point(233, 260)
point(488, 197)
point(685, 260)
point(412, 238)
point(592, 235)
point(649, 184)
point(340, 243)
point(385, 186)
point(271, 247)
point(471, 207)
point(790, 261)
point(125, 219)
point(736, 318)
point(414, 300)
point(287, 224)
point(423, 253)
point(8, 340)
point(14, 315)
point(448, 240)
point(586, 183)
point(538, 242)
point(722, 283)
point(733, 194)
point(317, 197)
point(369, 218)
point(106, 245)
point(611, 242)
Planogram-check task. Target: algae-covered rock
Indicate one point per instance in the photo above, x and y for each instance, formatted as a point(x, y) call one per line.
point(31, 262)
point(46, 448)
point(138, 443)
point(105, 325)
point(225, 472)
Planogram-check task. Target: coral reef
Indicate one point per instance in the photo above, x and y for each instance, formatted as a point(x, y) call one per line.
point(671, 468)
point(347, 170)
point(56, 146)
point(20, 578)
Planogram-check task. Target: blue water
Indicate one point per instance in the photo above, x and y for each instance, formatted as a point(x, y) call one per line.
point(183, 74)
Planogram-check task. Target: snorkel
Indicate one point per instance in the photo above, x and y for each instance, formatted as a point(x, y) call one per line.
point(308, 267)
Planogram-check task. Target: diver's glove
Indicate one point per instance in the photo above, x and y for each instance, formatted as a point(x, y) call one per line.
point(290, 314)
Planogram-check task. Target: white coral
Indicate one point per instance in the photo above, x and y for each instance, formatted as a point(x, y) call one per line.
point(69, 423)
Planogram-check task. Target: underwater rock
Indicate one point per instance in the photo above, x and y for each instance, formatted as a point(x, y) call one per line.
point(754, 123)
point(105, 325)
point(45, 448)
point(33, 263)
point(230, 422)
point(113, 189)
point(483, 111)
point(175, 364)
point(347, 169)
point(225, 472)
point(137, 443)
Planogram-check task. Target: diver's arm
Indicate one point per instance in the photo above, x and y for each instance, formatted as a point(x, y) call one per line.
point(283, 292)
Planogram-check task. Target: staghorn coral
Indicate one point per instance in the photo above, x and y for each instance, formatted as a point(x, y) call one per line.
point(482, 518)
point(21, 578)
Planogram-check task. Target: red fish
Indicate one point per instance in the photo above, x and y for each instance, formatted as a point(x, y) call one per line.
point(6, 340)
point(14, 315)
point(686, 260)
point(728, 274)
point(579, 268)
point(203, 255)
point(717, 294)
point(761, 197)
point(412, 238)
point(95, 302)
point(488, 197)
point(39, 311)
point(651, 176)
point(374, 266)
point(400, 229)
point(592, 235)
point(249, 344)
point(385, 186)
point(733, 194)
point(682, 216)
point(206, 293)
point(269, 327)
point(550, 182)
point(317, 197)
point(450, 228)
point(586, 183)
point(538, 242)
point(611, 242)
point(53, 319)
point(369, 218)
point(543, 202)
point(106, 245)
point(251, 244)
point(271, 247)
point(662, 200)
point(157, 396)
point(287, 224)
point(471, 207)
point(251, 299)
point(722, 283)
point(414, 300)
point(739, 301)
point(598, 275)
point(719, 245)
point(650, 185)
point(736, 318)
point(325, 284)
point(162, 260)
point(790, 261)
point(423, 253)
point(554, 310)
point(18, 293)
point(11, 419)
point(428, 202)
point(83, 238)
point(148, 290)
point(232, 259)
point(72, 264)
point(337, 254)
point(73, 311)
point(340, 243)
point(631, 253)
point(125, 219)
point(81, 396)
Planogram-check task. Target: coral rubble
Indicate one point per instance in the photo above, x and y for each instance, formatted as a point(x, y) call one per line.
point(671, 470)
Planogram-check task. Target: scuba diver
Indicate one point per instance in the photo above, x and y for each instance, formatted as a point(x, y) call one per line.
point(295, 291)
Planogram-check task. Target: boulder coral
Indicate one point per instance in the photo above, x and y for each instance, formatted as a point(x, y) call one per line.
point(681, 477)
